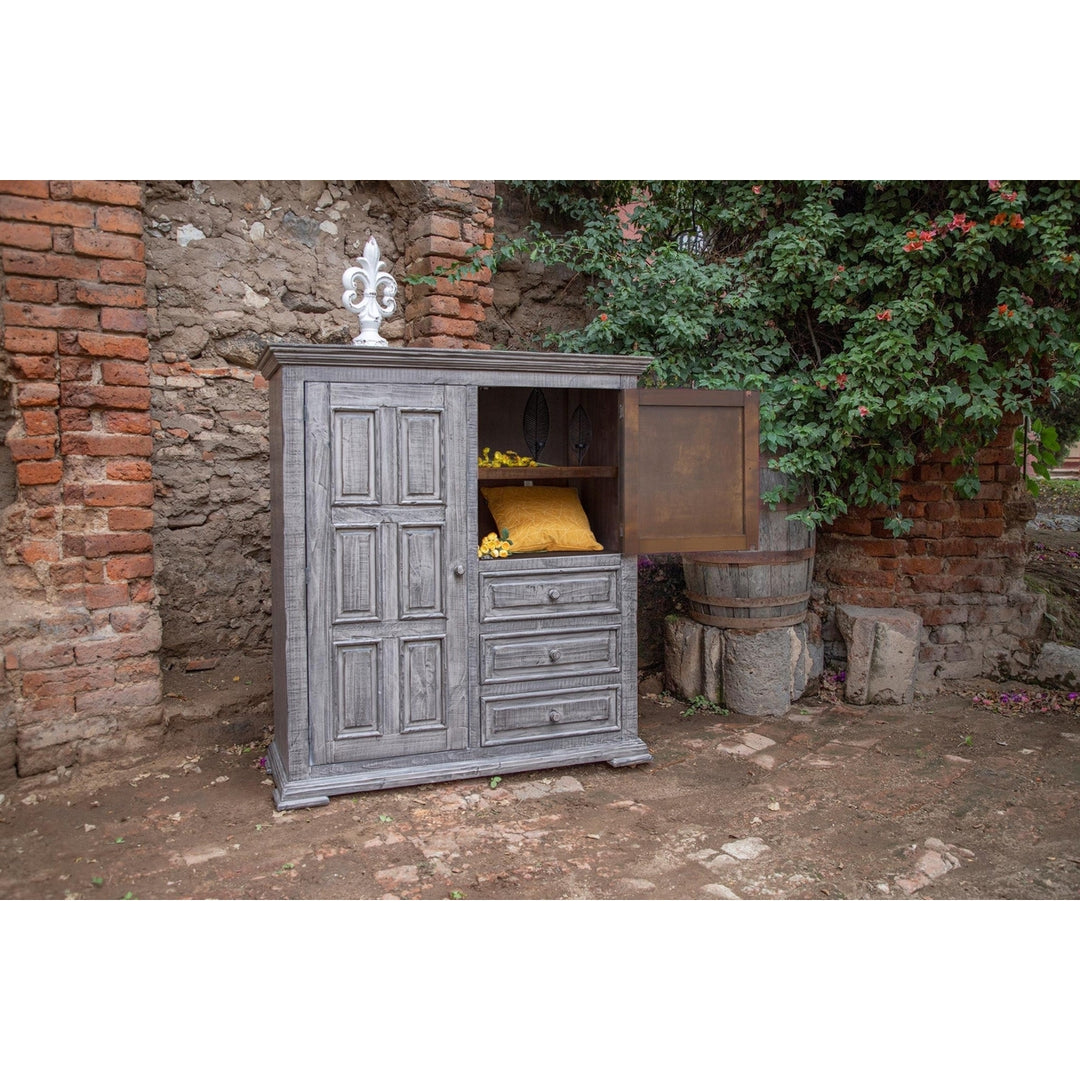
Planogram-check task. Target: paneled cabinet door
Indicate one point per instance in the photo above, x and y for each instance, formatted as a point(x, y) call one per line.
point(386, 570)
point(690, 470)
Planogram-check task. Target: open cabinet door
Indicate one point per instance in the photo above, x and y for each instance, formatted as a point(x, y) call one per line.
point(689, 470)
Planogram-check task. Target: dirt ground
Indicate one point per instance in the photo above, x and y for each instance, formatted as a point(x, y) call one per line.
point(962, 796)
point(971, 794)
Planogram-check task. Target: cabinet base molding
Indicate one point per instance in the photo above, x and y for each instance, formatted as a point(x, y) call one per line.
point(316, 790)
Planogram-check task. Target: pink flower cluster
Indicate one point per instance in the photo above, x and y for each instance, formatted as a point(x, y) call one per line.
point(920, 238)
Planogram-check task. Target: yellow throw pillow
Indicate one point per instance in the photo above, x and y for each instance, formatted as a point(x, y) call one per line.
point(541, 518)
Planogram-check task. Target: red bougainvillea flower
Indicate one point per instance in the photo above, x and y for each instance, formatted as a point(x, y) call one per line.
point(885, 316)
point(1003, 309)
point(915, 245)
point(756, 189)
point(1009, 196)
point(995, 185)
point(1016, 222)
point(999, 219)
point(603, 316)
point(863, 410)
point(841, 380)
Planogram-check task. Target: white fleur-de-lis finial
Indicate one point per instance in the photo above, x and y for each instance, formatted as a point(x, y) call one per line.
point(372, 275)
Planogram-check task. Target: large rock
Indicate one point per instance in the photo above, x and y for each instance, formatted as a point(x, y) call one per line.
point(683, 657)
point(759, 669)
point(1058, 665)
point(882, 654)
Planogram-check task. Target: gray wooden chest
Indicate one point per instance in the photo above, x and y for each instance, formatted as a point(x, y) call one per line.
point(402, 658)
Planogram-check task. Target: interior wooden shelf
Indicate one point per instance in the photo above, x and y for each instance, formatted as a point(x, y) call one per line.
point(540, 473)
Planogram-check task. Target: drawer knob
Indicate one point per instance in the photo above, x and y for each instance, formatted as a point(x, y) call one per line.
point(459, 570)
point(555, 716)
point(553, 594)
point(553, 655)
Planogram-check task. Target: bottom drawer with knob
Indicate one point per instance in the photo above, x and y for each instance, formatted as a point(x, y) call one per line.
point(551, 715)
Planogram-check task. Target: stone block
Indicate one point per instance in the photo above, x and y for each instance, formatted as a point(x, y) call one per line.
point(808, 657)
point(1058, 665)
point(882, 653)
point(683, 657)
point(758, 669)
point(712, 660)
point(756, 673)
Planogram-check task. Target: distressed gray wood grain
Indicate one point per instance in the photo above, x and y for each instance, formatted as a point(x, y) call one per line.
point(413, 661)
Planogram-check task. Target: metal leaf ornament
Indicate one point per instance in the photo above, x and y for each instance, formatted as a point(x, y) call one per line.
point(536, 423)
point(580, 432)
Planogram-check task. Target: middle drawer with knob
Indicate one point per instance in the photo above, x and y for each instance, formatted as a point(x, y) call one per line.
point(549, 654)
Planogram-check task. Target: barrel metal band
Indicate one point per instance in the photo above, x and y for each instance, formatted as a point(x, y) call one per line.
point(748, 602)
point(748, 624)
point(754, 558)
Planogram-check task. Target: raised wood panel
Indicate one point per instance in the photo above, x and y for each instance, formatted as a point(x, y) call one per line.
point(420, 562)
point(356, 704)
point(355, 434)
point(422, 700)
point(420, 453)
point(357, 576)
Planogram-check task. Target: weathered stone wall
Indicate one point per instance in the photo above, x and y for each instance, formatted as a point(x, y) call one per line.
point(529, 299)
point(232, 266)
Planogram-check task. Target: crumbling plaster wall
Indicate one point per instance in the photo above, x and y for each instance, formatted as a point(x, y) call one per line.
point(231, 266)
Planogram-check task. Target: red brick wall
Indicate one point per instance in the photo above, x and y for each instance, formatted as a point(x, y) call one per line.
point(961, 567)
point(81, 633)
point(458, 217)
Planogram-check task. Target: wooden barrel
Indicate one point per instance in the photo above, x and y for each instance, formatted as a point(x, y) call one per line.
point(759, 589)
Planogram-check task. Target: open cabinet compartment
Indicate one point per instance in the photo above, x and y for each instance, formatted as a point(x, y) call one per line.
point(664, 470)
point(593, 470)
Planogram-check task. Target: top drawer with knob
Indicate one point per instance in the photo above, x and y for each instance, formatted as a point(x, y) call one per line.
point(521, 594)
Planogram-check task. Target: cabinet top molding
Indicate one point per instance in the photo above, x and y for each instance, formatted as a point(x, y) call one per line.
point(475, 360)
